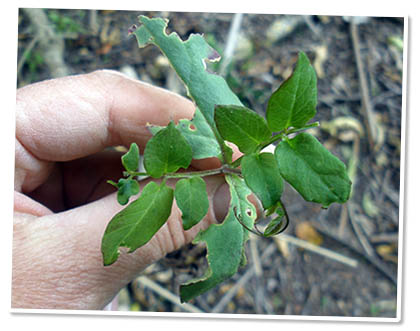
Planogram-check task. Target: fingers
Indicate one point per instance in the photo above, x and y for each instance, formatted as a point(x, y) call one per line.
point(71, 117)
point(74, 183)
point(57, 261)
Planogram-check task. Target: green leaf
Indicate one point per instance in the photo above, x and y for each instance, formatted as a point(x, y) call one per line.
point(244, 209)
point(188, 58)
point(312, 170)
point(241, 126)
point(127, 187)
point(224, 242)
point(130, 160)
point(166, 152)
point(275, 224)
point(135, 225)
point(273, 227)
point(263, 177)
point(191, 198)
point(198, 134)
point(293, 104)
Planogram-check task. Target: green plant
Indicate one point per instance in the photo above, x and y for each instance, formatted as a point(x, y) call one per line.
point(299, 158)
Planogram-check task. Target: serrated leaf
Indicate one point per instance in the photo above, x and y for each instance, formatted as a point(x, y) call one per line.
point(241, 126)
point(263, 177)
point(224, 242)
point(130, 160)
point(135, 225)
point(166, 152)
point(191, 198)
point(312, 170)
point(126, 188)
point(188, 58)
point(293, 104)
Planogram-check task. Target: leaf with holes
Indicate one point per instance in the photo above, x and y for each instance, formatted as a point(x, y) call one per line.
point(225, 242)
point(188, 58)
point(312, 170)
point(198, 134)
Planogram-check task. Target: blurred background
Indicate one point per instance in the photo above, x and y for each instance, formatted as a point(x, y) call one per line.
point(337, 262)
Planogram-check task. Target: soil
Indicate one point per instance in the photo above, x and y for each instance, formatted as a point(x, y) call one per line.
point(291, 280)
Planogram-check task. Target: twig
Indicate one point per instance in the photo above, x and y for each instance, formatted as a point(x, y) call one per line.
point(366, 104)
point(310, 23)
point(167, 295)
point(372, 260)
point(358, 231)
point(343, 221)
point(51, 45)
point(93, 22)
point(242, 281)
point(25, 54)
point(255, 256)
point(256, 262)
point(384, 237)
point(232, 40)
point(316, 249)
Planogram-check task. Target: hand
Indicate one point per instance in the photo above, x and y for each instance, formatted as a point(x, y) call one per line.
point(62, 202)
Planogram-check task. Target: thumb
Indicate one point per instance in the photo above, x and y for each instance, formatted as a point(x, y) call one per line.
point(57, 260)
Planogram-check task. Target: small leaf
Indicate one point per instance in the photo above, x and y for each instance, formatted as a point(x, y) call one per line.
point(263, 177)
point(130, 160)
point(166, 152)
point(127, 187)
point(273, 227)
point(312, 170)
point(241, 126)
point(111, 182)
point(294, 102)
point(276, 224)
point(135, 225)
point(191, 198)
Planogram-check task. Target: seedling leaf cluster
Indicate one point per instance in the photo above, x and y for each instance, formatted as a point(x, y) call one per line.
point(220, 117)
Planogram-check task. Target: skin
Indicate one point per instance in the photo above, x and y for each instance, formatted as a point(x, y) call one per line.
point(62, 203)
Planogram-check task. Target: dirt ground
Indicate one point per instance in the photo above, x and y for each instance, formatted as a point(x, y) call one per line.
point(350, 269)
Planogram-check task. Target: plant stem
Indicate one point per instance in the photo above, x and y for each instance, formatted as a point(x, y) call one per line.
point(222, 170)
point(283, 134)
point(194, 173)
point(133, 173)
point(306, 127)
point(272, 140)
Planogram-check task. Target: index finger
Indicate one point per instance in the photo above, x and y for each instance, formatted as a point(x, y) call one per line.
point(72, 117)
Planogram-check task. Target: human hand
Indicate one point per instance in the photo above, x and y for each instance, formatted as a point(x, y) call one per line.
point(62, 203)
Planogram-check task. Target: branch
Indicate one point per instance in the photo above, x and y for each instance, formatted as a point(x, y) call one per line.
point(50, 44)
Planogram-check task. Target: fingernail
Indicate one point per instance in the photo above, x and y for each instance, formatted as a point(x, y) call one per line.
point(221, 201)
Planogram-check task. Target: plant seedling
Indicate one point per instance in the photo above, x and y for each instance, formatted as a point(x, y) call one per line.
point(299, 158)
